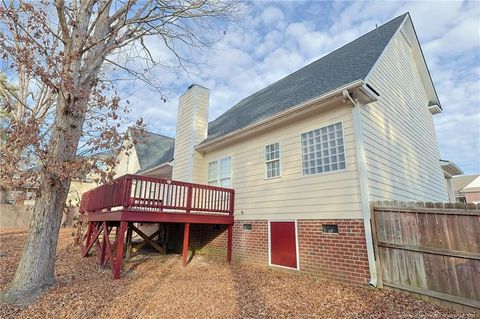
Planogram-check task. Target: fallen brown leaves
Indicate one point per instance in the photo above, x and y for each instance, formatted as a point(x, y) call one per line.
point(158, 286)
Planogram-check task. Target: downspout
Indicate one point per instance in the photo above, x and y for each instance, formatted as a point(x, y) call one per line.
point(362, 174)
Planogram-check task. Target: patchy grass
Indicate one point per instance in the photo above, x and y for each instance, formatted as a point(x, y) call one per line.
point(158, 286)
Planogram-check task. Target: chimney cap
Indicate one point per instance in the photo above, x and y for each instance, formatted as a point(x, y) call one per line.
point(192, 85)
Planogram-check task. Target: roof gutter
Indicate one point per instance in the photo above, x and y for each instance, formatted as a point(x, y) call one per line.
point(273, 120)
point(450, 168)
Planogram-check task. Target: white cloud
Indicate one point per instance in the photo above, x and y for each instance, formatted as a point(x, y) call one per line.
point(275, 40)
point(272, 16)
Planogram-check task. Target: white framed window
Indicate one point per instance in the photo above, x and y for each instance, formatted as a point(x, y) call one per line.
point(272, 160)
point(220, 172)
point(323, 150)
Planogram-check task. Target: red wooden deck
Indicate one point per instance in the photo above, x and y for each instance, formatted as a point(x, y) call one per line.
point(137, 199)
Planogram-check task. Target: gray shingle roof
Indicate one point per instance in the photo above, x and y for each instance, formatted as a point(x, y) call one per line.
point(345, 65)
point(154, 149)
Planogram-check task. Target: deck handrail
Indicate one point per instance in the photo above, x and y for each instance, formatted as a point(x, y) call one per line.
point(135, 192)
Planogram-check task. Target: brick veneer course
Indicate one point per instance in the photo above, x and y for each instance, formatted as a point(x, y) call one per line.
point(340, 257)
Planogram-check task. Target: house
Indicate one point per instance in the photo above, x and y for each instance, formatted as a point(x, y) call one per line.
point(466, 188)
point(147, 154)
point(472, 191)
point(307, 154)
point(450, 169)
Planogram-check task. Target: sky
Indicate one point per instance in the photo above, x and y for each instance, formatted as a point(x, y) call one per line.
point(273, 39)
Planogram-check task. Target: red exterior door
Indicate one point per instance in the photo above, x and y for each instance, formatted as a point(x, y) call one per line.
point(283, 244)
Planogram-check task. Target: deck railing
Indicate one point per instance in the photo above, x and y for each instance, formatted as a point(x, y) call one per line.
point(142, 193)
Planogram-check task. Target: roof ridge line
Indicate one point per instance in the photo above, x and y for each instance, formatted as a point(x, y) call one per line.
point(158, 134)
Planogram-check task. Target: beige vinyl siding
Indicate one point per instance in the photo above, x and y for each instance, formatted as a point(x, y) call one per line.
point(183, 137)
point(401, 147)
point(77, 189)
point(127, 164)
point(333, 194)
point(191, 130)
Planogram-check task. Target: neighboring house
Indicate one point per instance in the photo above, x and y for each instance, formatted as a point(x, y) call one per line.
point(151, 155)
point(466, 188)
point(307, 154)
point(472, 191)
point(450, 169)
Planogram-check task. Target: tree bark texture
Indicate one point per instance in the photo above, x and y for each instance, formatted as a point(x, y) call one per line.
point(35, 272)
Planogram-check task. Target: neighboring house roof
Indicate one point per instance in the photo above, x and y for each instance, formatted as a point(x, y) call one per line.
point(460, 182)
point(350, 63)
point(450, 168)
point(473, 186)
point(153, 150)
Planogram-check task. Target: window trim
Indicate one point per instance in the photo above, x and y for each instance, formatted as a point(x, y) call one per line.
point(265, 162)
point(344, 151)
point(218, 159)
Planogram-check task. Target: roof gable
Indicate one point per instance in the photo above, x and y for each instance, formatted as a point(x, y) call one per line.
point(154, 149)
point(408, 31)
point(347, 64)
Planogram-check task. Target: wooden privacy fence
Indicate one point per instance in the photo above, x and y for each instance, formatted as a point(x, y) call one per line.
point(429, 251)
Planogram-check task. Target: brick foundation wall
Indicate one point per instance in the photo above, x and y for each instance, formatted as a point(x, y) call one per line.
point(209, 239)
point(340, 257)
point(251, 246)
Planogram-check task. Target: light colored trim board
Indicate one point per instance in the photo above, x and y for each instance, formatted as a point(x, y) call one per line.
point(279, 161)
point(362, 175)
point(296, 243)
point(344, 152)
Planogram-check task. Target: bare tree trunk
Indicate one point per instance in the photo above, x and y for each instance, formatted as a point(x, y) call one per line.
point(35, 272)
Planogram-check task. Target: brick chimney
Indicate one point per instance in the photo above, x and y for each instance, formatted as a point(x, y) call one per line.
point(192, 127)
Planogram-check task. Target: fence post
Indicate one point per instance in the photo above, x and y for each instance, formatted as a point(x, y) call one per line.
point(373, 226)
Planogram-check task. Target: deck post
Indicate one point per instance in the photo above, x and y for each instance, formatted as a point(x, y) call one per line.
point(119, 250)
point(186, 233)
point(103, 247)
point(229, 243)
point(128, 248)
point(88, 237)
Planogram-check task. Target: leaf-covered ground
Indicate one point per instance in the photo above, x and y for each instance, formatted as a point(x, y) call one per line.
point(158, 286)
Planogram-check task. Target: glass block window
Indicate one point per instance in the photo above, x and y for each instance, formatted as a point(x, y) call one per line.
point(323, 150)
point(272, 160)
point(219, 172)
